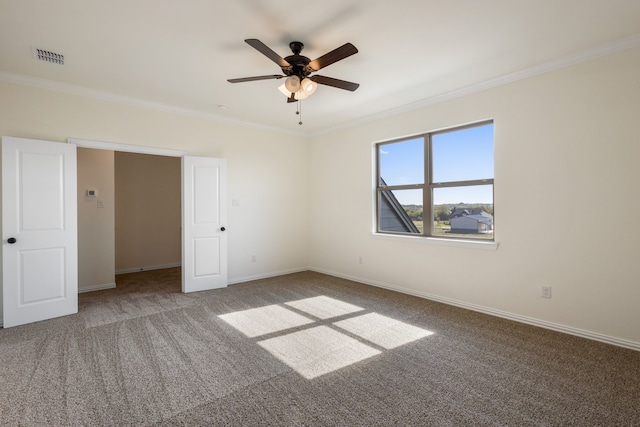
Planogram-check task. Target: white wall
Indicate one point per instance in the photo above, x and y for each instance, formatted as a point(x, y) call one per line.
point(267, 172)
point(95, 224)
point(567, 153)
point(148, 211)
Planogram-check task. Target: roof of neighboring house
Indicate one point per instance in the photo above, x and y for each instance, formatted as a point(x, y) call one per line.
point(456, 212)
point(466, 211)
point(476, 214)
point(402, 220)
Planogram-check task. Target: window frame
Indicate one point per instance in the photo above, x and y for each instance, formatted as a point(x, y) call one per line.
point(428, 186)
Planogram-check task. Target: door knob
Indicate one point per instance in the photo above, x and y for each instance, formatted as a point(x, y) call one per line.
point(222, 228)
point(11, 240)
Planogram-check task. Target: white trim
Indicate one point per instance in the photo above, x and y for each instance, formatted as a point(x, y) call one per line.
point(112, 146)
point(493, 312)
point(471, 244)
point(266, 276)
point(616, 46)
point(600, 51)
point(93, 288)
point(135, 102)
point(148, 268)
point(127, 148)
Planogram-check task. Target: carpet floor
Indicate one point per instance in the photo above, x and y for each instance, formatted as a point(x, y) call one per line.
point(303, 349)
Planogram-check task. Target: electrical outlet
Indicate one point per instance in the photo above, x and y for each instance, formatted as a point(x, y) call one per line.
point(253, 258)
point(546, 291)
point(359, 260)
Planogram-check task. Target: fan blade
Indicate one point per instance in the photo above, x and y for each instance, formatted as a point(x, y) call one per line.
point(335, 55)
point(266, 51)
point(330, 81)
point(251, 79)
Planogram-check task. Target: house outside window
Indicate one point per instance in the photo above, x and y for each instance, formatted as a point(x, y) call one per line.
point(438, 184)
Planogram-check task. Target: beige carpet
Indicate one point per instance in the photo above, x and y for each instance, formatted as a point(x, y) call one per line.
point(303, 349)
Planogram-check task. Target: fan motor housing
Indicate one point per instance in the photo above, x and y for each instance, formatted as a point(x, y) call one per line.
point(299, 63)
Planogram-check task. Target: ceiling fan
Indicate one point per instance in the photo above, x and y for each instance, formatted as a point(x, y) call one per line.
point(297, 69)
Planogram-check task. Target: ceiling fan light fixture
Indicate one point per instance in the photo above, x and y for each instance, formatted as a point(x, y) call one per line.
point(284, 90)
point(292, 84)
point(308, 86)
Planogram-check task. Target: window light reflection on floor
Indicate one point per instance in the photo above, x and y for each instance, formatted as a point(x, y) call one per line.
point(322, 347)
point(324, 307)
point(264, 320)
point(381, 330)
point(317, 351)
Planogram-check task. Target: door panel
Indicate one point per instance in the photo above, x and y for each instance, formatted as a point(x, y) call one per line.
point(204, 248)
point(40, 177)
point(39, 211)
point(206, 256)
point(42, 275)
point(206, 194)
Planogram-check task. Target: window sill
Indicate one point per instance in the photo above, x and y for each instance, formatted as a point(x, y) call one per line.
point(470, 244)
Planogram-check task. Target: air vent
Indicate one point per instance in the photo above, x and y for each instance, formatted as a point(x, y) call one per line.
point(48, 56)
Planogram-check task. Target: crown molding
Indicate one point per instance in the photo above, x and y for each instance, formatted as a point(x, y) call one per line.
point(135, 102)
point(606, 49)
point(600, 51)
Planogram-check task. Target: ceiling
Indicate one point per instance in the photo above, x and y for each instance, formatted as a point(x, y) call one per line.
point(178, 55)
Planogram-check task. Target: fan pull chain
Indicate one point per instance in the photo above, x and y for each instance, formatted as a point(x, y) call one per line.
point(299, 111)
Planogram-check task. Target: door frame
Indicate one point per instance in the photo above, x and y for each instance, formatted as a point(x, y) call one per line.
point(127, 148)
point(111, 146)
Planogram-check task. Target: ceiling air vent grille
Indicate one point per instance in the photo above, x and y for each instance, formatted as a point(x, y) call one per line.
point(48, 56)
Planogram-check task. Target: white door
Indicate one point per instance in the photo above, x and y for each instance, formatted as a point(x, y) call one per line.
point(204, 215)
point(39, 227)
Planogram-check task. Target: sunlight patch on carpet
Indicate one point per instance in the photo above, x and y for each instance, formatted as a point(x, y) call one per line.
point(322, 343)
point(324, 307)
point(382, 330)
point(317, 351)
point(264, 320)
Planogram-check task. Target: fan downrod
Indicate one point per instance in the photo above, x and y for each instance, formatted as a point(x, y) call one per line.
point(296, 47)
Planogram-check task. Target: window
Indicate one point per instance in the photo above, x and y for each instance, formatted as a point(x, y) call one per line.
point(449, 172)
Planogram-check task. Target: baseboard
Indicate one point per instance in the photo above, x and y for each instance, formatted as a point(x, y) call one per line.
point(493, 312)
point(96, 287)
point(149, 267)
point(266, 276)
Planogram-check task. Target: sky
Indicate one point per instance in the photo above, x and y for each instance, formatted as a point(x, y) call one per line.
point(459, 155)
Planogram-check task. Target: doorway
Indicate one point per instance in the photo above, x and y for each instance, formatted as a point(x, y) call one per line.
point(204, 213)
point(147, 212)
point(129, 215)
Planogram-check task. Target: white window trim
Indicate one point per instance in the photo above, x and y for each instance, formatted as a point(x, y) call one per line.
point(490, 245)
point(438, 241)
